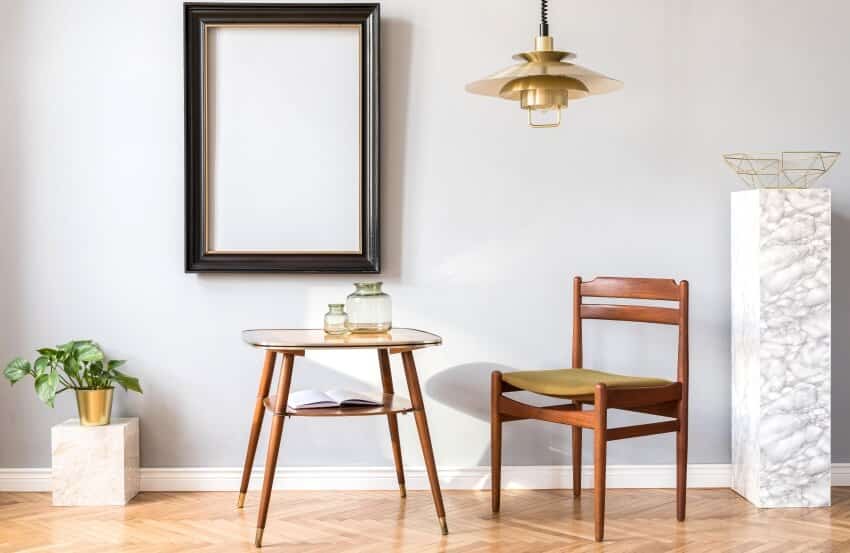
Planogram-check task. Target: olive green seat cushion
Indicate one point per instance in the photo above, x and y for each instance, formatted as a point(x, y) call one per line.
point(575, 382)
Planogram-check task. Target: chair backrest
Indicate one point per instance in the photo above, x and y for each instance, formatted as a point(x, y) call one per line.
point(638, 289)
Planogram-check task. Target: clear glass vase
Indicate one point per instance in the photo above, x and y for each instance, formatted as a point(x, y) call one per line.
point(369, 308)
point(335, 319)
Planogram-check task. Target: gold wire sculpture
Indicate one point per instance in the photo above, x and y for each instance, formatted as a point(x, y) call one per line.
point(781, 169)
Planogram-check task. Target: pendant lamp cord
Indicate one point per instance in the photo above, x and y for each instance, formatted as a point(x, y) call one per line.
point(544, 17)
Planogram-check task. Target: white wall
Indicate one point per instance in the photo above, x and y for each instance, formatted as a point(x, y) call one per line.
point(485, 221)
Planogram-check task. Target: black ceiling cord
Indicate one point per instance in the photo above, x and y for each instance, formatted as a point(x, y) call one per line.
point(544, 17)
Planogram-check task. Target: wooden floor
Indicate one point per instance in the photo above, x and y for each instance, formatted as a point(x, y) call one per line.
point(639, 521)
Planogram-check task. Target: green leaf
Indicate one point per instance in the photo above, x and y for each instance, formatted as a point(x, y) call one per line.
point(48, 352)
point(127, 382)
point(88, 353)
point(45, 387)
point(64, 352)
point(78, 345)
point(66, 347)
point(95, 369)
point(115, 363)
point(41, 366)
point(16, 370)
point(72, 367)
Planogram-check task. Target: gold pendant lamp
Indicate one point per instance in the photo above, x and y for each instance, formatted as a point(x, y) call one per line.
point(544, 82)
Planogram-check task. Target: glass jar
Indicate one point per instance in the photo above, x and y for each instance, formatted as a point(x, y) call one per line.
point(369, 308)
point(335, 319)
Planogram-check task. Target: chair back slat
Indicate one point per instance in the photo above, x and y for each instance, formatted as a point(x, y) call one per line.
point(634, 313)
point(631, 288)
point(639, 289)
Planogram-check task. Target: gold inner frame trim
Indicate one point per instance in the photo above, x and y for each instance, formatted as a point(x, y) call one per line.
point(206, 138)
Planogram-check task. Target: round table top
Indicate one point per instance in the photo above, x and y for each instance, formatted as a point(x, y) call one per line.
point(315, 338)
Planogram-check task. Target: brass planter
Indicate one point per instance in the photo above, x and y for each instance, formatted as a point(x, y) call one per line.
point(94, 406)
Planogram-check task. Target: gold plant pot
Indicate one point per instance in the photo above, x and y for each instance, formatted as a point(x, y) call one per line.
point(94, 406)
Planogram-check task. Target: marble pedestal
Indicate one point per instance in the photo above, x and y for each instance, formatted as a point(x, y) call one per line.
point(781, 347)
point(95, 465)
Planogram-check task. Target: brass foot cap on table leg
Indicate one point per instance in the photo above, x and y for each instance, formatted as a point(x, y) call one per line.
point(241, 501)
point(443, 526)
point(402, 490)
point(258, 538)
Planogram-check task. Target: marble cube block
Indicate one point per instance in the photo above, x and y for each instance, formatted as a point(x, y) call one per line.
point(95, 465)
point(781, 317)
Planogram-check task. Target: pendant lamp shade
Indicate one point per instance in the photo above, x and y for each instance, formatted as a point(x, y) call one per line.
point(545, 80)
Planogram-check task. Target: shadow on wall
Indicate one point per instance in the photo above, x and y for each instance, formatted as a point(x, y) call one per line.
point(466, 388)
point(395, 106)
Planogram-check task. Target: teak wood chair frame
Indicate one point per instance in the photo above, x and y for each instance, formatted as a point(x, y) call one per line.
point(667, 401)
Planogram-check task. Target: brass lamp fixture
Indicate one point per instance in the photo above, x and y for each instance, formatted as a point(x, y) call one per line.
point(544, 82)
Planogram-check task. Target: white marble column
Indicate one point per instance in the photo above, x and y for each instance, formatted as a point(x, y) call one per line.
point(781, 346)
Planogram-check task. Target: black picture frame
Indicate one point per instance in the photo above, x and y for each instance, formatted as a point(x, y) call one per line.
point(198, 258)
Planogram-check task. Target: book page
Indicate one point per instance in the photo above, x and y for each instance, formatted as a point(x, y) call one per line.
point(347, 397)
point(310, 399)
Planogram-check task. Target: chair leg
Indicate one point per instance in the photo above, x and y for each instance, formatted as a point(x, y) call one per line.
point(495, 441)
point(682, 462)
point(600, 441)
point(576, 436)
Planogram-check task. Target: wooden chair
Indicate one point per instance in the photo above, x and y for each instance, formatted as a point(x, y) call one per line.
point(604, 390)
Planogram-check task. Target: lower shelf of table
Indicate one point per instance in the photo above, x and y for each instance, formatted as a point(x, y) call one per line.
point(392, 404)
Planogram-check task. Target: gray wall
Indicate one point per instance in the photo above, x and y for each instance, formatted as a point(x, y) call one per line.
point(485, 221)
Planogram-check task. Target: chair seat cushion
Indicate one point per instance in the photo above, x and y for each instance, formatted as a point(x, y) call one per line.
point(575, 382)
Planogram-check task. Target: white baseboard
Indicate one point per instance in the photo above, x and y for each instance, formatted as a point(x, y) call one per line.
point(24, 480)
point(473, 478)
point(383, 478)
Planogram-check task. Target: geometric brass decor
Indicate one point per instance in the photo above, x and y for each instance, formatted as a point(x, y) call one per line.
point(545, 81)
point(782, 169)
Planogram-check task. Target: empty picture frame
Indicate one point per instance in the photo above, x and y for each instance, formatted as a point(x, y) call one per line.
point(282, 137)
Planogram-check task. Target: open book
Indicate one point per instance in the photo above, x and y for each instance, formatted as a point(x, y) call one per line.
point(314, 399)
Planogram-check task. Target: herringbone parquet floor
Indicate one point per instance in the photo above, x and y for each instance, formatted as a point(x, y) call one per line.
point(639, 521)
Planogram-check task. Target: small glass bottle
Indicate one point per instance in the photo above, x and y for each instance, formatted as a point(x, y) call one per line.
point(335, 320)
point(369, 308)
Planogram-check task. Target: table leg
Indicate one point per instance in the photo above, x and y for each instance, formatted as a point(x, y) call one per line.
point(256, 425)
point(424, 436)
point(392, 418)
point(274, 443)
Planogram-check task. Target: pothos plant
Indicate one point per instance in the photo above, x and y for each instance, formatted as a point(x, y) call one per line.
point(78, 365)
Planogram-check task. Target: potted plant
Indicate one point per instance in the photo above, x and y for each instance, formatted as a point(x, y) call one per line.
point(81, 366)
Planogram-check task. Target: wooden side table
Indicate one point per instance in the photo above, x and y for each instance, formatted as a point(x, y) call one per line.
point(292, 343)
